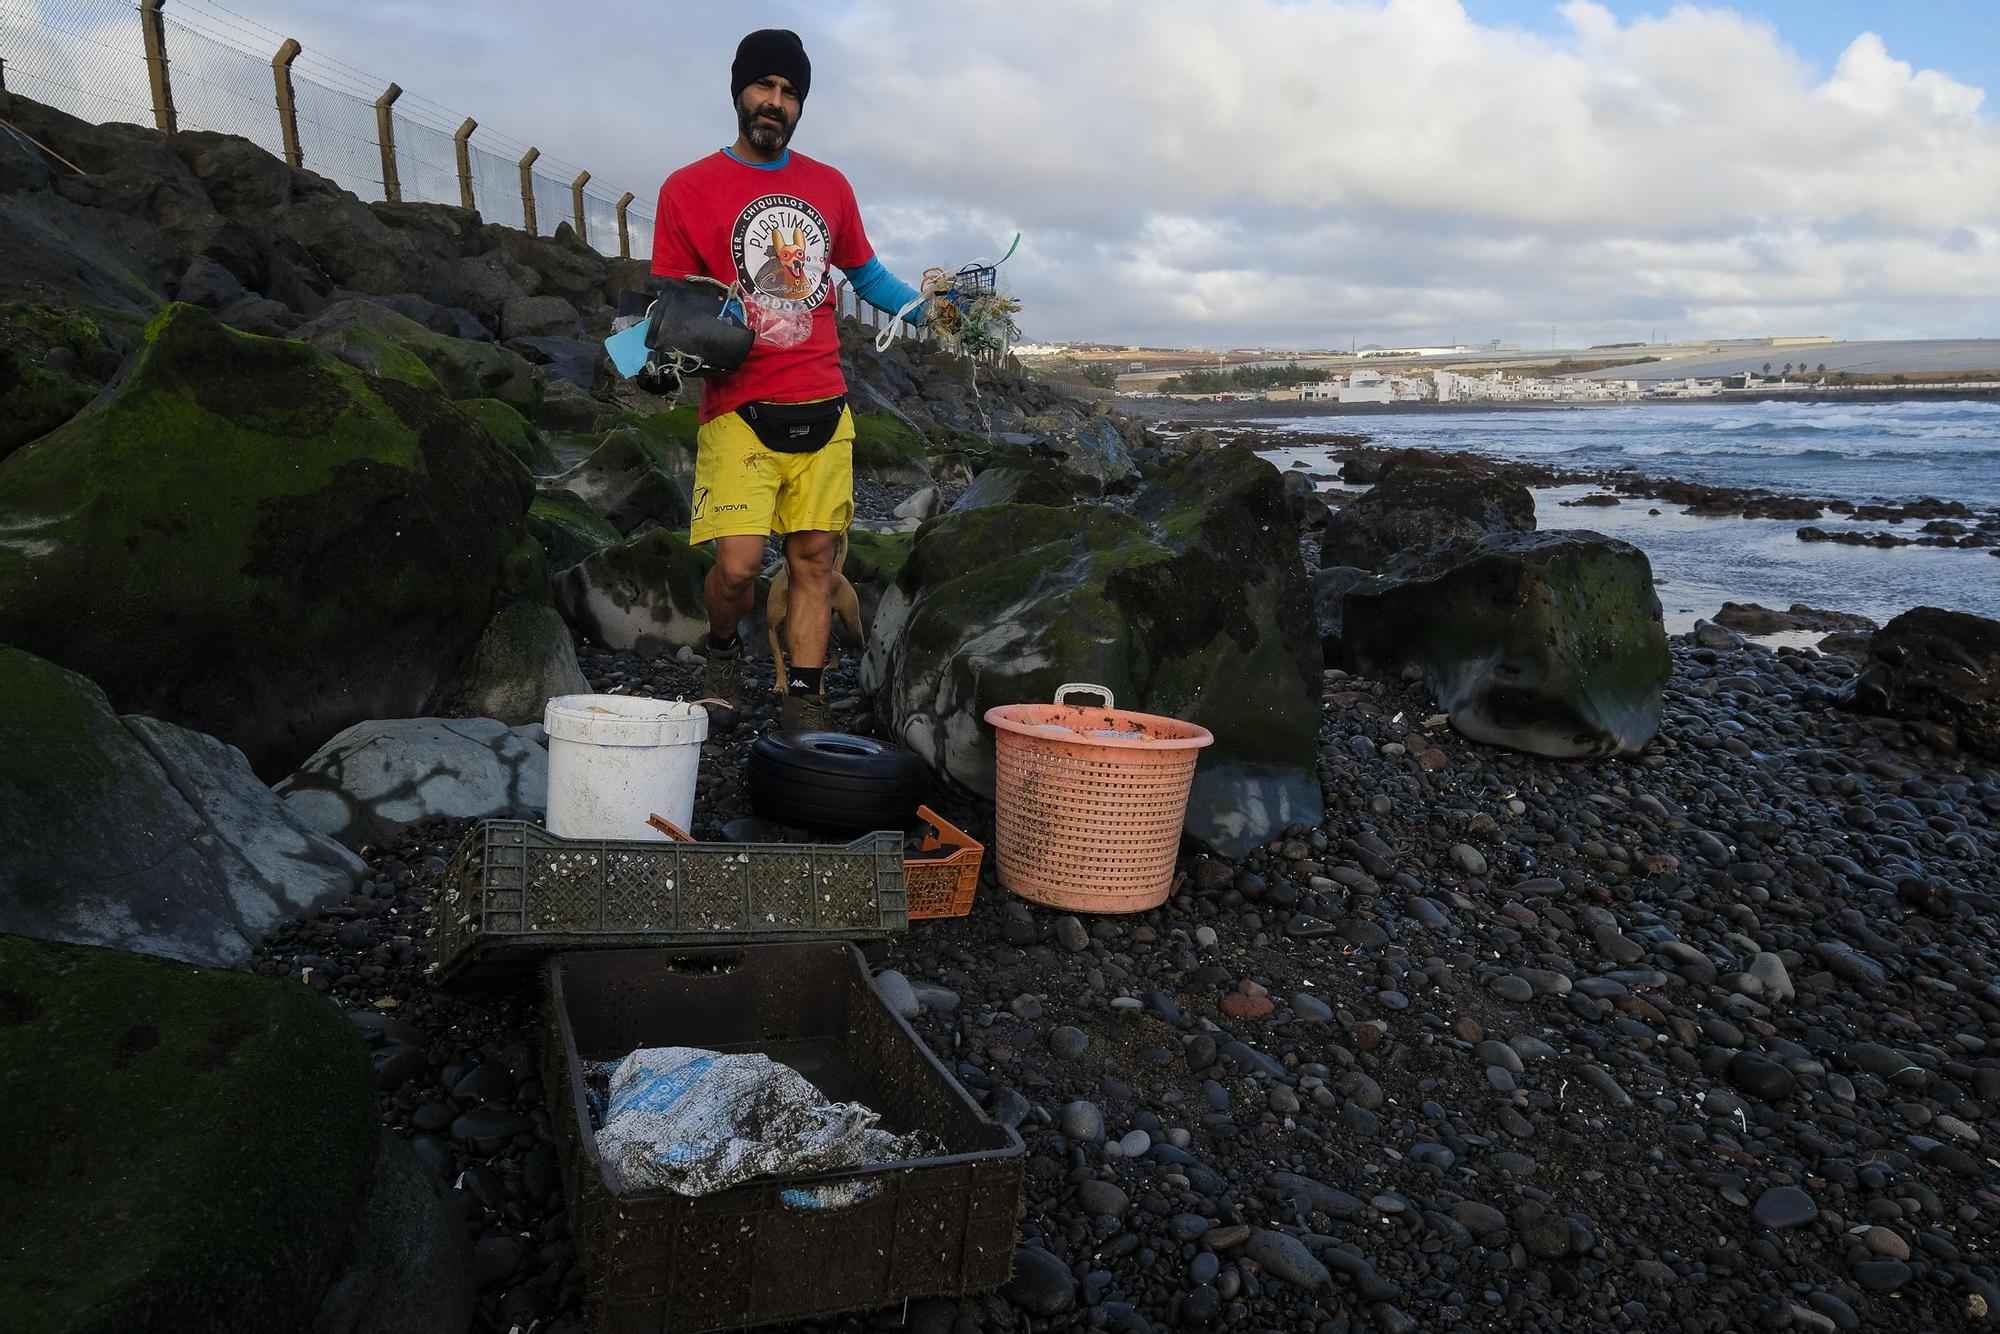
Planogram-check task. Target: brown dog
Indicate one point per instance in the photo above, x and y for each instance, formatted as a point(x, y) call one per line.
point(846, 609)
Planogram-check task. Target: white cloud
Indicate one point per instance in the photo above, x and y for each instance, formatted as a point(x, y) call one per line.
point(1264, 171)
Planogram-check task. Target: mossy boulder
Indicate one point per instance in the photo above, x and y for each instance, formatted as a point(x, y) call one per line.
point(569, 528)
point(373, 337)
point(1091, 450)
point(52, 362)
point(875, 558)
point(1416, 506)
point(186, 1149)
point(524, 658)
point(1937, 667)
point(1193, 605)
point(1329, 585)
point(1549, 643)
point(140, 834)
point(674, 427)
point(888, 450)
point(644, 595)
point(251, 538)
point(136, 833)
point(515, 433)
point(408, 1266)
point(565, 408)
point(1025, 483)
point(638, 477)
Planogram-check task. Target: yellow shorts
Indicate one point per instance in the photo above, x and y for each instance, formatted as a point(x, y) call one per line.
point(742, 487)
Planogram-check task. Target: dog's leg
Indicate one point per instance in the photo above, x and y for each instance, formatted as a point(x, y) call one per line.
point(848, 604)
point(777, 606)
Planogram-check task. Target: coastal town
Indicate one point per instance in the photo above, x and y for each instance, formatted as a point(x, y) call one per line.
point(1807, 366)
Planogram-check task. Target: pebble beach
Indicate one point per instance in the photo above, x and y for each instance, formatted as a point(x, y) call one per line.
point(1704, 1039)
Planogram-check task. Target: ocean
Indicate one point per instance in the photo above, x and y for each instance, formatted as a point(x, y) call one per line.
point(1852, 451)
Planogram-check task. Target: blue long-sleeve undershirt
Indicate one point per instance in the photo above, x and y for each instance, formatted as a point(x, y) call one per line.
point(883, 290)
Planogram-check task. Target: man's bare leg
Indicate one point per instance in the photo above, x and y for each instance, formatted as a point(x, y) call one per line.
point(731, 586)
point(809, 616)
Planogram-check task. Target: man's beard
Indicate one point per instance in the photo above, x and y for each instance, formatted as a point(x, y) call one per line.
point(766, 135)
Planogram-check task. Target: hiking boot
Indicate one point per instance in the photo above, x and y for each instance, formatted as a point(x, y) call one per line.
point(804, 713)
point(722, 679)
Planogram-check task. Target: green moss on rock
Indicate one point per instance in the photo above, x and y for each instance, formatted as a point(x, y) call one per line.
point(666, 560)
point(875, 558)
point(569, 528)
point(57, 734)
point(1550, 643)
point(1420, 505)
point(363, 334)
point(636, 479)
point(253, 539)
point(186, 1147)
point(644, 595)
point(379, 354)
point(672, 429)
point(1026, 482)
point(518, 435)
point(52, 362)
point(881, 441)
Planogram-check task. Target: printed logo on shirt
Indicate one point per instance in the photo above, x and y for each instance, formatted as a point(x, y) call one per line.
point(779, 245)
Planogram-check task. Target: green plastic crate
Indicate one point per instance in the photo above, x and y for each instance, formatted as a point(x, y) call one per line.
point(514, 893)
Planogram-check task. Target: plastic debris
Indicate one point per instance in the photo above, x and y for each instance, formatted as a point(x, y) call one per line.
point(696, 1122)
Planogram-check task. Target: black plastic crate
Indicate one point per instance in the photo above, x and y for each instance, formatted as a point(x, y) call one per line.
point(664, 1263)
point(515, 893)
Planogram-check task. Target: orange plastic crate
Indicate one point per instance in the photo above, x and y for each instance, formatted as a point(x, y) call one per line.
point(943, 886)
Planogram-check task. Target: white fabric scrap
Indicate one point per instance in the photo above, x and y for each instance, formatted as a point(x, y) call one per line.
point(697, 1122)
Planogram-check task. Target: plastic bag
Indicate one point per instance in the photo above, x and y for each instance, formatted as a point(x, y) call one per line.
point(697, 1122)
point(779, 328)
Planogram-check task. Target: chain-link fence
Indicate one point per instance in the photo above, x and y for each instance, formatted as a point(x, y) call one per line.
point(198, 65)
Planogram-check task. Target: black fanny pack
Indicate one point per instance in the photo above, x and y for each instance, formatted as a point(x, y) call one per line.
point(794, 428)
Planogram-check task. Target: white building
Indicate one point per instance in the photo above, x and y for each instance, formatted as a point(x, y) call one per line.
point(1688, 388)
point(1367, 387)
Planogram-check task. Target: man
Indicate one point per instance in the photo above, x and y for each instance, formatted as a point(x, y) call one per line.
point(775, 449)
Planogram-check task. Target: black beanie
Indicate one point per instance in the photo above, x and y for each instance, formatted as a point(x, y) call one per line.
point(770, 51)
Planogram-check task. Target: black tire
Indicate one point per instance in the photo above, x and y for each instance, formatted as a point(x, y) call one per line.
point(856, 817)
point(830, 781)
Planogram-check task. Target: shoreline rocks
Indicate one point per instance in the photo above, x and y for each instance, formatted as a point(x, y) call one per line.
point(1549, 643)
point(134, 833)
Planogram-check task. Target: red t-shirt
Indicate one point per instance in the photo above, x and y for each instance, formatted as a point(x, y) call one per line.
point(784, 230)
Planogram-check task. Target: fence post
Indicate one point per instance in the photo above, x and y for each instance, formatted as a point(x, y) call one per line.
point(576, 204)
point(288, 109)
point(385, 135)
point(155, 29)
point(624, 228)
point(528, 189)
point(462, 147)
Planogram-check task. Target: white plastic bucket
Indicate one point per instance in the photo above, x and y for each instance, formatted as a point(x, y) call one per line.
point(615, 759)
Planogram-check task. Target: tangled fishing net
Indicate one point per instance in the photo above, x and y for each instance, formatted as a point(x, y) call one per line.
point(966, 312)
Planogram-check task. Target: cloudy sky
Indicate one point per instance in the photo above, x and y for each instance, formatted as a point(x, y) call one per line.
point(1308, 172)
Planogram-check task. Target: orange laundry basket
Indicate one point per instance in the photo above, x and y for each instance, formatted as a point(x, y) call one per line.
point(1089, 801)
